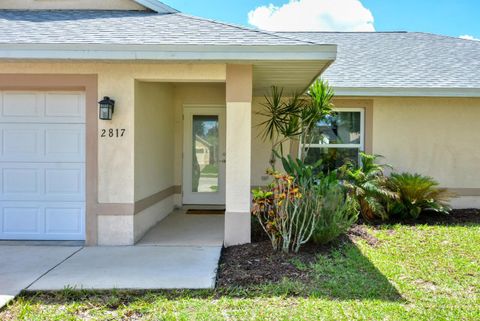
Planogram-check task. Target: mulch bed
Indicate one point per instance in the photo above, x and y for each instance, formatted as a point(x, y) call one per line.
point(257, 263)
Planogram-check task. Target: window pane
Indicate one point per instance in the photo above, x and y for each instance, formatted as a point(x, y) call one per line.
point(205, 154)
point(338, 128)
point(332, 158)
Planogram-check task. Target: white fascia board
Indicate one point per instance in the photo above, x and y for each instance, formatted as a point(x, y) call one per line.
point(156, 6)
point(168, 52)
point(407, 92)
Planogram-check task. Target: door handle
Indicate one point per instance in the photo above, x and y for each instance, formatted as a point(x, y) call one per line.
point(223, 161)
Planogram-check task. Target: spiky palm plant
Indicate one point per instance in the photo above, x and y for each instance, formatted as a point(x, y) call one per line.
point(294, 118)
point(417, 193)
point(367, 184)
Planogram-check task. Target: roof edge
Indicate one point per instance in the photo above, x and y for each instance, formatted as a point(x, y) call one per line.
point(407, 92)
point(168, 52)
point(156, 6)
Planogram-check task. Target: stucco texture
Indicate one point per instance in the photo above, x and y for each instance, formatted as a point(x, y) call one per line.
point(438, 137)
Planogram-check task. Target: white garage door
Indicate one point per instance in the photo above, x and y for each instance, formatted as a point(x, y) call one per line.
point(42, 165)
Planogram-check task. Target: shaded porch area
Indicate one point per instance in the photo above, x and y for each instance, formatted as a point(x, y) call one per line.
point(183, 229)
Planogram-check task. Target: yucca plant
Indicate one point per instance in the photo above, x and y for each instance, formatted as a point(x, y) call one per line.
point(367, 184)
point(417, 193)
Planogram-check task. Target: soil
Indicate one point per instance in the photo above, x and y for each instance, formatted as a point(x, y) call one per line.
point(257, 263)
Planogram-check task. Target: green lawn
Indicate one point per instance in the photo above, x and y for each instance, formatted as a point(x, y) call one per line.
point(413, 273)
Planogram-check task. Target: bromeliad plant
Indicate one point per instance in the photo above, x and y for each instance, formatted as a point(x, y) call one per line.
point(417, 193)
point(367, 184)
point(287, 212)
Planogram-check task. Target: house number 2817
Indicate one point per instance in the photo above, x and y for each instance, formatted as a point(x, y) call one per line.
point(113, 133)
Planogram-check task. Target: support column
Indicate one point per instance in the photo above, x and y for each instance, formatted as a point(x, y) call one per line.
point(238, 167)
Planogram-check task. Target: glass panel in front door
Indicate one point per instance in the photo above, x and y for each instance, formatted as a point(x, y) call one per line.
point(205, 152)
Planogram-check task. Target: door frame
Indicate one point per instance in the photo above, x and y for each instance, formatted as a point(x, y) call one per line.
point(190, 198)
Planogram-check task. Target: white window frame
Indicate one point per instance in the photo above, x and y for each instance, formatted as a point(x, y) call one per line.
point(360, 147)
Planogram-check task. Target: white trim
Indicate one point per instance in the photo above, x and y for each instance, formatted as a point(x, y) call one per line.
point(156, 6)
point(407, 92)
point(189, 197)
point(168, 52)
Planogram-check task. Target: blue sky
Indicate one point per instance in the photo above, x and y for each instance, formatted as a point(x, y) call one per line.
point(447, 17)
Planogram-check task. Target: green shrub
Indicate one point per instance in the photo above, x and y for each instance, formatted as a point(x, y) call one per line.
point(338, 212)
point(367, 185)
point(417, 193)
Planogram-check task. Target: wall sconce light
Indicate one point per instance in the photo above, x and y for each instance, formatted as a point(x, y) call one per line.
point(107, 107)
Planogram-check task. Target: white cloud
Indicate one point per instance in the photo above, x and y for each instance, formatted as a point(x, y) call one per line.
point(468, 37)
point(313, 15)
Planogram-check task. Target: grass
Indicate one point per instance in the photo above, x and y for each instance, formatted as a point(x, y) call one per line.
point(414, 273)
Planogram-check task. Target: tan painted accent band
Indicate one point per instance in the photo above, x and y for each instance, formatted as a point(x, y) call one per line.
point(239, 83)
point(115, 209)
point(178, 189)
point(126, 209)
point(63, 82)
point(465, 191)
point(147, 202)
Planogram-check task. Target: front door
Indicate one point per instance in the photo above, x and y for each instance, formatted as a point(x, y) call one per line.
point(204, 156)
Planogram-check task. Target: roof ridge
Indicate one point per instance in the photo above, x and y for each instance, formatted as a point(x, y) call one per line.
point(245, 28)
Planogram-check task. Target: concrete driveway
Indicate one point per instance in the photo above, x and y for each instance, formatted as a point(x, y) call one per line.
point(35, 268)
point(20, 266)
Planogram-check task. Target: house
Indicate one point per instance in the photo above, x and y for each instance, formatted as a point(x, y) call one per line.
point(66, 174)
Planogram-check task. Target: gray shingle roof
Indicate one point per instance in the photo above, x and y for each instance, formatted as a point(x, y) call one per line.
point(399, 59)
point(126, 28)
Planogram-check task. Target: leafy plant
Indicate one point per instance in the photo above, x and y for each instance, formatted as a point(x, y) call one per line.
point(294, 118)
point(367, 185)
point(302, 172)
point(417, 193)
point(339, 211)
point(286, 211)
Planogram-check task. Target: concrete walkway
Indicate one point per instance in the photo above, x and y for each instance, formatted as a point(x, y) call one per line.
point(181, 252)
point(180, 229)
point(20, 266)
point(135, 268)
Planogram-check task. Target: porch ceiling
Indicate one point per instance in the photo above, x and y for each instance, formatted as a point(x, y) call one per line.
point(292, 76)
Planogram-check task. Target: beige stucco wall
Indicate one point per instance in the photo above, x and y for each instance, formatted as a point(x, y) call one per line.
point(154, 138)
point(261, 148)
point(117, 80)
point(71, 4)
point(438, 137)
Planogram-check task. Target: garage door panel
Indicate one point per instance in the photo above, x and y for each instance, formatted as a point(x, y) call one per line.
point(50, 107)
point(42, 165)
point(42, 221)
point(67, 183)
point(21, 142)
point(42, 182)
point(65, 143)
point(21, 181)
point(21, 219)
point(21, 106)
point(63, 220)
point(43, 142)
point(65, 107)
